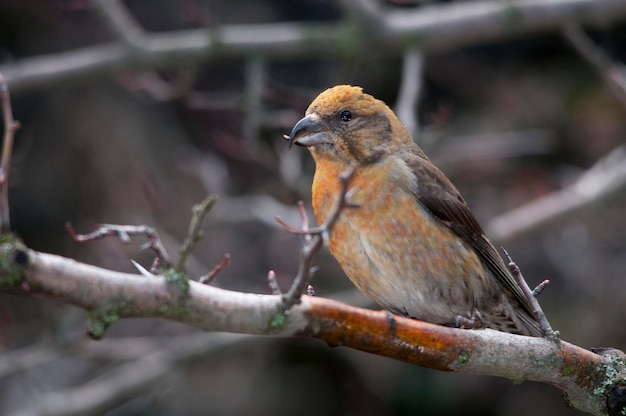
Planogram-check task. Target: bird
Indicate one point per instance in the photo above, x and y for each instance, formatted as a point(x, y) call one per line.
point(411, 243)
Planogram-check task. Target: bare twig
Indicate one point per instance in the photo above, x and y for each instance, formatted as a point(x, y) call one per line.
point(10, 127)
point(273, 283)
point(123, 232)
point(612, 72)
point(304, 221)
point(538, 314)
point(313, 238)
point(208, 278)
point(199, 212)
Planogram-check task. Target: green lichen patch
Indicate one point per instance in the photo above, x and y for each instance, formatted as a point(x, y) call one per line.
point(463, 358)
point(99, 320)
point(278, 320)
point(177, 281)
point(14, 261)
point(613, 374)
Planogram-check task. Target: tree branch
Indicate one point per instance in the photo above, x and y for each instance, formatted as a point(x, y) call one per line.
point(585, 377)
point(435, 28)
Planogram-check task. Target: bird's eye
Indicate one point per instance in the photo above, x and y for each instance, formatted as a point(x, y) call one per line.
point(346, 115)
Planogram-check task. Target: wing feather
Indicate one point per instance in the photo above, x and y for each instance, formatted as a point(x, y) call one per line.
point(439, 196)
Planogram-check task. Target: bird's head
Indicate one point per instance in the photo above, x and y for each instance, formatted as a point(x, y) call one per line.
point(347, 125)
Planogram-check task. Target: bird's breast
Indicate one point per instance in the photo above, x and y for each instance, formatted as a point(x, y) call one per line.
point(391, 248)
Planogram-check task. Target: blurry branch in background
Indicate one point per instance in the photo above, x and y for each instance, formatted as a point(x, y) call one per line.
point(156, 87)
point(410, 89)
point(122, 23)
point(256, 72)
point(435, 27)
point(613, 73)
point(128, 380)
point(497, 145)
point(604, 179)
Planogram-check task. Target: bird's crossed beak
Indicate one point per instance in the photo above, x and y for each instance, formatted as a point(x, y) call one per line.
point(309, 131)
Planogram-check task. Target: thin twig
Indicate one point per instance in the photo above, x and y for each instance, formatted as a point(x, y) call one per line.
point(198, 213)
point(142, 270)
point(538, 314)
point(123, 232)
point(540, 287)
point(304, 229)
point(305, 221)
point(10, 127)
point(208, 278)
point(316, 236)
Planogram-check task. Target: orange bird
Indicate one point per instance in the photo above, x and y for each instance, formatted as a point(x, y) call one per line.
point(412, 245)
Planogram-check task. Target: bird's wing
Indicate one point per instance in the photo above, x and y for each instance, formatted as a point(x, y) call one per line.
point(439, 196)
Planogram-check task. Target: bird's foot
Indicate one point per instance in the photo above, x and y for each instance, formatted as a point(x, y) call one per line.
point(474, 320)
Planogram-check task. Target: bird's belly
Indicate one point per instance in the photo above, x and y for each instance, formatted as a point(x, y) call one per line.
point(402, 258)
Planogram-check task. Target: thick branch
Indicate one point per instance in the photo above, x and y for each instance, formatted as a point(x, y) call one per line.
point(585, 377)
point(434, 28)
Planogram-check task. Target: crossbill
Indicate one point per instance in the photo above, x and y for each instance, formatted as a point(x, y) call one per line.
point(412, 245)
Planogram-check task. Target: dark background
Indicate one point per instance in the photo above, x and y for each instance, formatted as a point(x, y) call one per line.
point(509, 121)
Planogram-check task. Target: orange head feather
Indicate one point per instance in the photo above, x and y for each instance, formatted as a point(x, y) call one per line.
point(346, 125)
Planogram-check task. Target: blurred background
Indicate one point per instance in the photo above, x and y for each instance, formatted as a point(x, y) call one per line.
point(116, 132)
